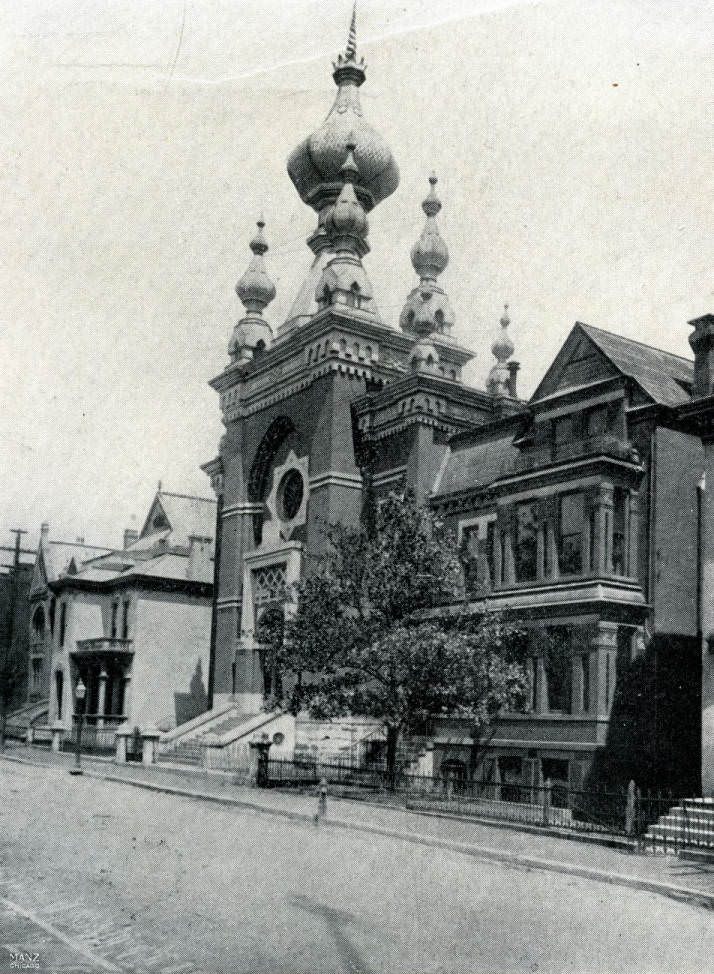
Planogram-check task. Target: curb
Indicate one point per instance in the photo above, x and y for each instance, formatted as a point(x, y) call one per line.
point(678, 893)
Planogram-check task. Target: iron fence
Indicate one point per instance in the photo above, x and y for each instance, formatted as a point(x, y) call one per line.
point(94, 740)
point(551, 804)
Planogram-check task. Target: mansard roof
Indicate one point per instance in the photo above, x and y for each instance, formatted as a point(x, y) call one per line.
point(665, 378)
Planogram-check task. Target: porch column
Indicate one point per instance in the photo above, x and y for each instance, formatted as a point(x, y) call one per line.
point(102, 697)
point(604, 645)
point(541, 686)
point(127, 695)
point(576, 696)
point(633, 535)
point(510, 571)
point(604, 518)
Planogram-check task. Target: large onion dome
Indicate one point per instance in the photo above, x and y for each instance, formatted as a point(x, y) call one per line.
point(315, 165)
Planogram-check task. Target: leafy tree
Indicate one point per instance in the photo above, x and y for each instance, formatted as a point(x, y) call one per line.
point(364, 636)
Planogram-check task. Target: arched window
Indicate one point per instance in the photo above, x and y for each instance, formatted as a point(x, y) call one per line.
point(38, 625)
point(259, 348)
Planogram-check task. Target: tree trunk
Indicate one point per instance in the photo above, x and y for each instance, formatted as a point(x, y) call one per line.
point(392, 744)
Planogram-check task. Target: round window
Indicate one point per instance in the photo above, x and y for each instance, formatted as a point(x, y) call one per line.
point(290, 494)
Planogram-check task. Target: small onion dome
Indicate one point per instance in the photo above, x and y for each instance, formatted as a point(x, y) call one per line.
point(347, 218)
point(430, 255)
point(503, 347)
point(502, 377)
point(255, 289)
point(315, 165)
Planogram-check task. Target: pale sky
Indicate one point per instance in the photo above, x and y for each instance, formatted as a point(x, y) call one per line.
point(142, 138)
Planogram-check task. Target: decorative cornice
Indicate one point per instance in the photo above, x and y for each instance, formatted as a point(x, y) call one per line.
point(334, 478)
point(237, 510)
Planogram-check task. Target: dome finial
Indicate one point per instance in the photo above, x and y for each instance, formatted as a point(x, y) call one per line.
point(253, 334)
point(502, 377)
point(351, 49)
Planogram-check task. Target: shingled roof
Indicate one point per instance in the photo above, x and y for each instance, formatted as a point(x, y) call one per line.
point(665, 377)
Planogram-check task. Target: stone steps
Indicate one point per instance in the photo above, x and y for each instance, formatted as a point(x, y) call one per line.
point(691, 823)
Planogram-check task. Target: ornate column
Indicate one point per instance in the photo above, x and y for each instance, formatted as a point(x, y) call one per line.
point(127, 696)
point(577, 681)
point(604, 519)
point(633, 534)
point(541, 687)
point(604, 646)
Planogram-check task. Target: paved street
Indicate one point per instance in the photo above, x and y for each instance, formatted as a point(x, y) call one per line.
point(96, 876)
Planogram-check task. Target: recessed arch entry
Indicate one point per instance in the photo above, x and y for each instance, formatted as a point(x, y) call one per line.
point(276, 434)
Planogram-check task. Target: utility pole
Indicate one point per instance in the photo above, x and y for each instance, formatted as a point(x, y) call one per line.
point(8, 662)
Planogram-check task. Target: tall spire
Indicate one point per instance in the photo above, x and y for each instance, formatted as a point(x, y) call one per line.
point(351, 49)
point(427, 309)
point(253, 334)
point(502, 377)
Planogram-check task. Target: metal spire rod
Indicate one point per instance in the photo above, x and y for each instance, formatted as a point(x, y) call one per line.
point(351, 49)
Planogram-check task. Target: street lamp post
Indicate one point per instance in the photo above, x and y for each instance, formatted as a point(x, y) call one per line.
point(80, 692)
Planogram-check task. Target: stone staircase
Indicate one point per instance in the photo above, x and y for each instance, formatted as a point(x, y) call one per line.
point(689, 825)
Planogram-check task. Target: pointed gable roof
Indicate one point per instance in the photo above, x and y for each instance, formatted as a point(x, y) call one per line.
point(591, 354)
point(177, 517)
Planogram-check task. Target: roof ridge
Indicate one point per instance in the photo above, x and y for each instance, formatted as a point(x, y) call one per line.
point(81, 544)
point(634, 341)
point(187, 497)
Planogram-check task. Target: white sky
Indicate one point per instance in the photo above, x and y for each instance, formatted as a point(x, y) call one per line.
point(142, 138)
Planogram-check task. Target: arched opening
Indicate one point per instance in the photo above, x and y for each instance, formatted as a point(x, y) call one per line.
point(259, 349)
point(38, 624)
point(274, 437)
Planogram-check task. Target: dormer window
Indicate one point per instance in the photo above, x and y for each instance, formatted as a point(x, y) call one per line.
point(563, 430)
point(159, 523)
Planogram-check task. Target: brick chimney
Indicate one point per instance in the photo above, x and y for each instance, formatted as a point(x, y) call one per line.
point(702, 342)
point(199, 559)
point(45, 532)
point(130, 536)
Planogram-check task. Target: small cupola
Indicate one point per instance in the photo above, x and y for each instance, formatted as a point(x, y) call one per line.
point(253, 334)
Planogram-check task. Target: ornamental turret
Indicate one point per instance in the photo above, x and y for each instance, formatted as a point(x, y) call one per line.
point(427, 310)
point(315, 165)
point(317, 170)
point(502, 377)
point(253, 334)
point(344, 280)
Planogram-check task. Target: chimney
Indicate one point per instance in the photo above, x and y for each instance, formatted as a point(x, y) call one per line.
point(199, 559)
point(45, 531)
point(130, 536)
point(513, 368)
point(702, 342)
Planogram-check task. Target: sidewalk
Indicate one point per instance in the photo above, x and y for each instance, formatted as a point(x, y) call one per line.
point(662, 874)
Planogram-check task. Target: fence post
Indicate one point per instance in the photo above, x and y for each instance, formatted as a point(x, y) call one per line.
point(630, 808)
point(149, 745)
point(547, 795)
point(321, 801)
point(120, 739)
point(57, 732)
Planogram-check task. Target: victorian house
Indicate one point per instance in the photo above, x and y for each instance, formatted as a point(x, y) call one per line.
point(134, 623)
point(577, 511)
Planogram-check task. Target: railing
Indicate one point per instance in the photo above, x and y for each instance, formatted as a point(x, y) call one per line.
point(552, 804)
point(532, 458)
point(94, 740)
point(104, 644)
